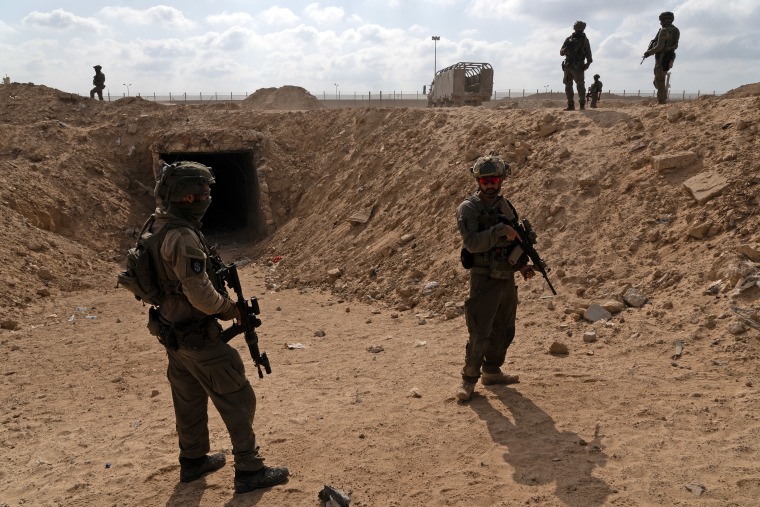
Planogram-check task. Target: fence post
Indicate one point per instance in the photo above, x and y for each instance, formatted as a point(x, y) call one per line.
point(683, 97)
point(154, 96)
point(185, 94)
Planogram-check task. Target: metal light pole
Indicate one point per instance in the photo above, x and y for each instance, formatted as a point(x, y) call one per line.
point(436, 38)
point(336, 91)
point(127, 85)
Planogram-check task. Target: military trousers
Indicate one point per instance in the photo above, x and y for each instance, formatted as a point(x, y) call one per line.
point(490, 313)
point(659, 82)
point(214, 371)
point(98, 90)
point(576, 75)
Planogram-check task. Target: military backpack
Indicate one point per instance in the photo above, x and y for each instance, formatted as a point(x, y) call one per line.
point(145, 276)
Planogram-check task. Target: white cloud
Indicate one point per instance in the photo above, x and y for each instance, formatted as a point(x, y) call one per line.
point(326, 15)
point(233, 39)
point(6, 29)
point(279, 16)
point(168, 17)
point(61, 20)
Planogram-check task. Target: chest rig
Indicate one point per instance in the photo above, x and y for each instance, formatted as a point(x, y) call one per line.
point(500, 261)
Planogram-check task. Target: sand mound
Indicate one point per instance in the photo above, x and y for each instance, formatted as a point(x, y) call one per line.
point(748, 90)
point(286, 98)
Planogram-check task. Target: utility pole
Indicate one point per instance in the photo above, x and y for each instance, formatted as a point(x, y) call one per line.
point(436, 38)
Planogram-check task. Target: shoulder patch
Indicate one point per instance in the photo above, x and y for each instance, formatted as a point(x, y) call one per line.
point(197, 266)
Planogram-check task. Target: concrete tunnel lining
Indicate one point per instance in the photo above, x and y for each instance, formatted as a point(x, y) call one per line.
point(235, 204)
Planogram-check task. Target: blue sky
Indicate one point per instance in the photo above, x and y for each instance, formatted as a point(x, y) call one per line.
point(380, 45)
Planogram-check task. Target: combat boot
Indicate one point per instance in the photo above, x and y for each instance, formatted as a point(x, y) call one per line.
point(464, 392)
point(489, 379)
point(264, 478)
point(583, 106)
point(570, 106)
point(193, 469)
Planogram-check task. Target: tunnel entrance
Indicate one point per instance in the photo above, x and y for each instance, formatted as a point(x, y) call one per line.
point(235, 203)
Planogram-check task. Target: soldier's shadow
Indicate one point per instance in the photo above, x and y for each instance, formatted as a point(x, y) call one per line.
point(541, 454)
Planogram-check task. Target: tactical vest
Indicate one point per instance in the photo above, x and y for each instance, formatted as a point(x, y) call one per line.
point(574, 50)
point(498, 261)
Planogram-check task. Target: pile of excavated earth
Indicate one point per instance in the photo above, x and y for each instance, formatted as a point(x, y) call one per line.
point(361, 201)
point(638, 380)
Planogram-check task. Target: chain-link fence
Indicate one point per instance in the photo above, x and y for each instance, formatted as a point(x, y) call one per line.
point(403, 99)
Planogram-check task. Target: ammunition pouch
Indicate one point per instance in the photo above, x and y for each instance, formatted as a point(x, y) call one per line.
point(192, 335)
point(467, 258)
point(195, 335)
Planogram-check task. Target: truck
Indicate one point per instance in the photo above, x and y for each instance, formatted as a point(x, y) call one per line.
point(462, 84)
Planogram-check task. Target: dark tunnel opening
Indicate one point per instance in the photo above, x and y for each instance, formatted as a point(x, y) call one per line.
point(235, 203)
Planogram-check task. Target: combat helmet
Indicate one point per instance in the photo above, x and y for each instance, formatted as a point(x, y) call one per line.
point(182, 178)
point(490, 165)
point(597, 76)
point(579, 26)
point(667, 17)
point(97, 67)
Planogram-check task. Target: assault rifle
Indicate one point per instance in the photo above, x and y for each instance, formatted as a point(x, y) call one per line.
point(527, 238)
point(652, 44)
point(248, 321)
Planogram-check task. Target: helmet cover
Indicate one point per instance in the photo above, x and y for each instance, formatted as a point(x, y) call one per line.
point(182, 178)
point(490, 165)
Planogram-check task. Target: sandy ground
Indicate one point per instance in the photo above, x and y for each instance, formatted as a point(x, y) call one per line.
point(625, 418)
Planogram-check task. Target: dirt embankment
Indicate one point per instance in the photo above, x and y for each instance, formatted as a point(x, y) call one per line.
point(648, 212)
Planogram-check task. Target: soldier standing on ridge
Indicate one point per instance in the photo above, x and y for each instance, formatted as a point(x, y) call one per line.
point(595, 91)
point(663, 46)
point(491, 254)
point(99, 80)
point(577, 52)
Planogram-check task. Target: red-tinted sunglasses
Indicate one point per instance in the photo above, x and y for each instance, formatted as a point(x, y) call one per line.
point(492, 180)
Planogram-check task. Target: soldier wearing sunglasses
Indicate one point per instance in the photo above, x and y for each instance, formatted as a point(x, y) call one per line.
point(492, 254)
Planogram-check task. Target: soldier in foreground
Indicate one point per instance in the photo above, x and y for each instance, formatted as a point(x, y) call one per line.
point(99, 80)
point(595, 91)
point(493, 254)
point(663, 47)
point(577, 52)
point(201, 364)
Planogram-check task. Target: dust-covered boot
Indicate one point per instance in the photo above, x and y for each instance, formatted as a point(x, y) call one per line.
point(193, 469)
point(264, 478)
point(464, 392)
point(489, 379)
point(570, 106)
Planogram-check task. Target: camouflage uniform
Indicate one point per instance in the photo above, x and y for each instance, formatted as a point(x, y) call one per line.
point(202, 366)
point(99, 80)
point(666, 42)
point(577, 52)
point(491, 309)
point(595, 90)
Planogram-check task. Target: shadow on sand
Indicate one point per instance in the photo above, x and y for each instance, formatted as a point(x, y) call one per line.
point(539, 453)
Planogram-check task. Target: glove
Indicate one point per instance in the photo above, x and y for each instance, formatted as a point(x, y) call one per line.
point(504, 231)
point(527, 272)
point(231, 312)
